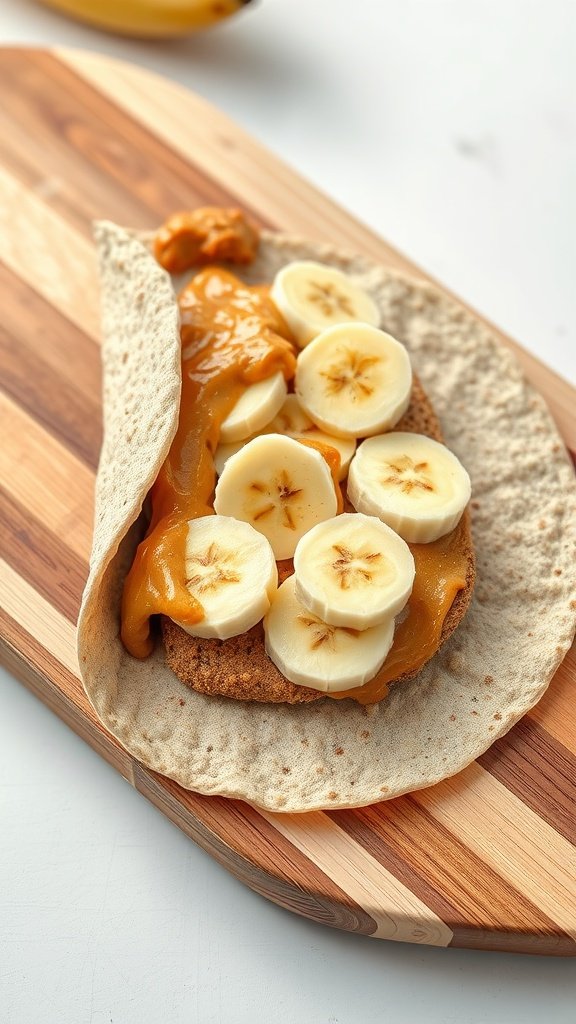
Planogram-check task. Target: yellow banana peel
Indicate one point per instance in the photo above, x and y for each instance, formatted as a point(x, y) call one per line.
point(151, 18)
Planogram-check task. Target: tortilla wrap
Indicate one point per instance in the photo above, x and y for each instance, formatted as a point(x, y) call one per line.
point(498, 663)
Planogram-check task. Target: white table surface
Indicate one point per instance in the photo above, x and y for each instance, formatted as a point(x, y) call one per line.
point(449, 126)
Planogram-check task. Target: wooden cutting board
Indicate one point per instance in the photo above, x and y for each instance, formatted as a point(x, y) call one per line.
point(484, 860)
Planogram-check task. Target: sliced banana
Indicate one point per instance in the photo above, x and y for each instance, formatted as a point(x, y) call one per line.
point(312, 296)
point(291, 418)
point(353, 571)
point(231, 570)
point(224, 451)
point(279, 486)
point(354, 380)
point(293, 421)
point(312, 653)
point(258, 404)
point(414, 484)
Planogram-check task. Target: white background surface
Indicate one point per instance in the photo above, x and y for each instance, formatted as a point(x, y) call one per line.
point(449, 126)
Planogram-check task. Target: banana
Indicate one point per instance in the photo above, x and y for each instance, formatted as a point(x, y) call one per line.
point(279, 486)
point(313, 296)
point(257, 405)
point(149, 18)
point(231, 570)
point(354, 380)
point(414, 484)
point(292, 421)
point(224, 451)
point(353, 571)
point(312, 653)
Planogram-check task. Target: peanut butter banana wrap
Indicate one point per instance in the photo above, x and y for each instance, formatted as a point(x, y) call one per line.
point(217, 715)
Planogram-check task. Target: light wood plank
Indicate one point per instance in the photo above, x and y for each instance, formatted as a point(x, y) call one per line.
point(399, 913)
point(45, 478)
point(37, 616)
point(510, 838)
point(53, 258)
point(555, 712)
point(456, 884)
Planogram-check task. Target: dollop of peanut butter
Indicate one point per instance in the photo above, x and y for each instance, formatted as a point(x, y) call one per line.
point(209, 234)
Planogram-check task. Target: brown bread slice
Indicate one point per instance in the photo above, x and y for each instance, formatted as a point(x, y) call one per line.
point(240, 668)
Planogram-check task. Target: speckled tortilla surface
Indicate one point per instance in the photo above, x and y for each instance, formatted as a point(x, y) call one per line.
point(492, 670)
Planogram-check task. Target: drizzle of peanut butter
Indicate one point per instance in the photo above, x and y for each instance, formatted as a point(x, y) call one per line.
point(232, 336)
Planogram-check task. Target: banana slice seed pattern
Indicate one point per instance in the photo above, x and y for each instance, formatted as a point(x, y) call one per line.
point(354, 568)
point(285, 491)
point(329, 299)
point(323, 633)
point(408, 475)
point(213, 561)
point(351, 373)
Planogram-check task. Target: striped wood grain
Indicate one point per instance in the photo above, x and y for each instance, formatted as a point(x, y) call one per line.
point(486, 859)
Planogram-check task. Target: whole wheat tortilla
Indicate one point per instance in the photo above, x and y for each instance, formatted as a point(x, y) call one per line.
point(494, 668)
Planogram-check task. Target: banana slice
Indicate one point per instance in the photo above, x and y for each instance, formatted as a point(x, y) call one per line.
point(224, 451)
point(353, 571)
point(414, 484)
point(254, 409)
point(312, 296)
point(354, 380)
point(293, 421)
point(279, 486)
point(231, 570)
point(310, 652)
point(290, 420)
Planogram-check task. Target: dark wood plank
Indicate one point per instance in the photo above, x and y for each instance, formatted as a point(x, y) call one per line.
point(110, 164)
point(30, 379)
point(474, 901)
point(41, 558)
point(540, 771)
point(31, 321)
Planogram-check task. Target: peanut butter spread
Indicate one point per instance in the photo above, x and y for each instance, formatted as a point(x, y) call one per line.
point(204, 236)
point(233, 336)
